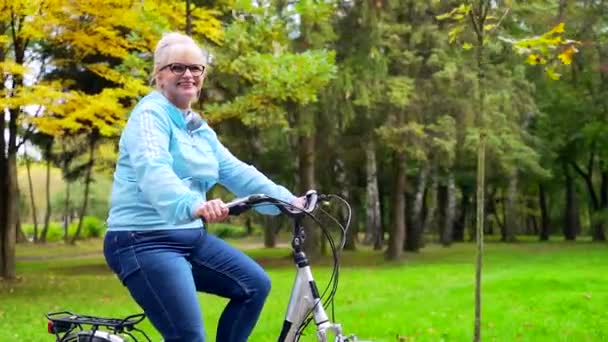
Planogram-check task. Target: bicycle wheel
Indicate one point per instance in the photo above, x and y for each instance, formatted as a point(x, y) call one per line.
point(89, 336)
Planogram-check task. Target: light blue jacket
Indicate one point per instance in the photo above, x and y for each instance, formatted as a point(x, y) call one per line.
point(163, 170)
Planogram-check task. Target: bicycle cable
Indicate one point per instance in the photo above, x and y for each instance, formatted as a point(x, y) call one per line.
point(333, 281)
point(325, 298)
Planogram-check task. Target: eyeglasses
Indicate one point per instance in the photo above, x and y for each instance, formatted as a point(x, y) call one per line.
point(180, 69)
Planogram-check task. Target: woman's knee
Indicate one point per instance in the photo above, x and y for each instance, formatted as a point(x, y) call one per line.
point(265, 285)
point(260, 285)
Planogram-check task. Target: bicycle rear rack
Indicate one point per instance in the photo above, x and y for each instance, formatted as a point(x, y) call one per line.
point(67, 322)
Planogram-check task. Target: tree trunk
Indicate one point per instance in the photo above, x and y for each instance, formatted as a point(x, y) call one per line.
point(598, 227)
point(32, 202)
point(511, 217)
point(49, 209)
point(442, 209)
point(430, 220)
point(272, 225)
point(544, 213)
point(4, 200)
point(410, 227)
point(67, 211)
point(413, 241)
point(397, 236)
point(373, 233)
point(188, 18)
point(461, 223)
point(11, 213)
point(306, 147)
point(11, 207)
point(448, 224)
point(19, 230)
point(344, 192)
point(572, 223)
point(87, 184)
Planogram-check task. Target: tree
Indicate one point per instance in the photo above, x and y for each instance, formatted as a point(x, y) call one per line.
point(87, 31)
point(264, 82)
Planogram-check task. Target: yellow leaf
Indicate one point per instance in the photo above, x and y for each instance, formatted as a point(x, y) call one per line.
point(446, 15)
point(453, 34)
point(566, 56)
point(464, 9)
point(13, 68)
point(534, 59)
point(489, 27)
point(552, 74)
point(467, 46)
point(559, 28)
point(553, 41)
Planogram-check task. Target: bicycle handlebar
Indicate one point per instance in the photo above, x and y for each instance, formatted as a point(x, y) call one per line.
point(240, 205)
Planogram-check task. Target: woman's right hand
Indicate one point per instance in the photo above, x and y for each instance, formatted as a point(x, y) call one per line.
point(212, 211)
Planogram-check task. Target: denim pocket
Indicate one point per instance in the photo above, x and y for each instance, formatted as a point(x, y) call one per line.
point(120, 254)
point(110, 251)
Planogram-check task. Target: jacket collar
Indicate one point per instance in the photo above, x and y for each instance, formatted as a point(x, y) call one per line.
point(176, 115)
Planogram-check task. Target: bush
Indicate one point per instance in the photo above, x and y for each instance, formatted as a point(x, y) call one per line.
point(55, 232)
point(92, 227)
point(226, 230)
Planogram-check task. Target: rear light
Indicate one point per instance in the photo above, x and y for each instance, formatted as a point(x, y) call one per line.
point(57, 327)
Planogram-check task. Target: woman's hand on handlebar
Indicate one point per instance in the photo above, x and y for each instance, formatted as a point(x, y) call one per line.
point(299, 202)
point(212, 211)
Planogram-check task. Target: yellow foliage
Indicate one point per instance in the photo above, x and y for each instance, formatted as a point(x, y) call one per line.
point(552, 73)
point(534, 59)
point(116, 30)
point(10, 67)
point(559, 28)
point(454, 32)
point(566, 56)
point(457, 13)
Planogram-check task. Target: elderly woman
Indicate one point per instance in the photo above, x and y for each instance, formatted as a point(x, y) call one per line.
point(156, 242)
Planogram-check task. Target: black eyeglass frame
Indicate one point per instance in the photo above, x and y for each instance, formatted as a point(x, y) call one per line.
point(191, 67)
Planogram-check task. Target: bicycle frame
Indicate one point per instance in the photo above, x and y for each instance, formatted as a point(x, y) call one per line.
point(305, 297)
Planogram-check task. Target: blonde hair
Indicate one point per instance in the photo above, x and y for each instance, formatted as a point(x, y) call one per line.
point(171, 44)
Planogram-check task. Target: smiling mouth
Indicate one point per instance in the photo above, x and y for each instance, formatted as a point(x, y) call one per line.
point(186, 84)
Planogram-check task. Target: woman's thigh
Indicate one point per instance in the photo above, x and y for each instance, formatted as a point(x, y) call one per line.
point(222, 269)
point(154, 267)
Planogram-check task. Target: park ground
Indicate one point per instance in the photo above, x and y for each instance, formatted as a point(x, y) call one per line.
point(553, 291)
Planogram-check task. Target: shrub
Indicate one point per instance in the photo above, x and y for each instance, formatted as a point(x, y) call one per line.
point(55, 232)
point(226, 230)
point(92, 227)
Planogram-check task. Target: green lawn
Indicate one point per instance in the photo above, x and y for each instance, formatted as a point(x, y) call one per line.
point(532, 292)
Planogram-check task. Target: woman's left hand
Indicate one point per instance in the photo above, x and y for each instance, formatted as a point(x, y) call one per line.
point(299, 202)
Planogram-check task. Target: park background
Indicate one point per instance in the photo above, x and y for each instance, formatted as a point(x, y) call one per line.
point(385, 103)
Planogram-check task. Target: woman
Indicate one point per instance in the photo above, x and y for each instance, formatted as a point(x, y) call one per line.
point(155, 241)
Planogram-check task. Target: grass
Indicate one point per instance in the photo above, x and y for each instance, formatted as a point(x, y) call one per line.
point(551, 291)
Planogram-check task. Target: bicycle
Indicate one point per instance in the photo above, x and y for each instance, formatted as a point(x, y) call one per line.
point(306, 303)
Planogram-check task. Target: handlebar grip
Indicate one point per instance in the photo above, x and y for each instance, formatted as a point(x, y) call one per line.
point(311, 200)
point(238, 209)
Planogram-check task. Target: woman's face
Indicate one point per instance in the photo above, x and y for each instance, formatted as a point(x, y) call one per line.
point(181, 78)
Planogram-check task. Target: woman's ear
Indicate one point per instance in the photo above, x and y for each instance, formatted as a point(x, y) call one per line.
point(157, 80)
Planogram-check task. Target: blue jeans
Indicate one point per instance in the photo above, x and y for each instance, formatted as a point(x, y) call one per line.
point(163, 270)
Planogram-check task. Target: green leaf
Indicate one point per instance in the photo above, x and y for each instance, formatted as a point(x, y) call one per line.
point(552, 74)
point(453, 33)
